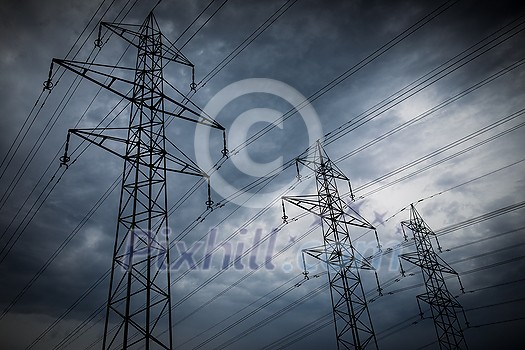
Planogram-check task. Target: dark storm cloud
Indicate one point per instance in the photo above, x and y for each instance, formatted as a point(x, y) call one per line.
point(311, 44)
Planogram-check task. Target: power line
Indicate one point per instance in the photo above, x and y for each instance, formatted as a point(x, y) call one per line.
point(56, 83)
point(203, 24)
point(473, 220)
point(495, 304)
point(187, 192)
point(355, 68)
point(43, 90)
point(466, 223)
point(246, 42)
point(475, 87)
point(425, 168)
point(448, 67)
point(408, 320)
point(29, 158)
point(498, 322)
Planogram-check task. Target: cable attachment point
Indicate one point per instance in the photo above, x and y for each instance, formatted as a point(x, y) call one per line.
point(439, 246)
point(224, 151)
point(305, 273)
point(98, 41)
point(421, 313)
point(405, 237)
point(209, 202)
point(48, 84)
point(379, 289)
point(461, 285)
point(193, 85)
point(352, 197)
point(64, 160)
point(401, 268)
point(298, 176)
point(379, 246)
point(284, 217)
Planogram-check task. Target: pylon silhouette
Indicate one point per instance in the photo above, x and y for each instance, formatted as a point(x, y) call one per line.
point(139, 300)
point(353, 324)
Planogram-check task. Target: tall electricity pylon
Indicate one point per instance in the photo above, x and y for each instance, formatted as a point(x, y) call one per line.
point(139, 300)
point(353, 325)
point(443, 304)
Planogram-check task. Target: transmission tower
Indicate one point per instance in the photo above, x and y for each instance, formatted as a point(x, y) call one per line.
point(443, 304)
point(353, 325)
point(139, 299)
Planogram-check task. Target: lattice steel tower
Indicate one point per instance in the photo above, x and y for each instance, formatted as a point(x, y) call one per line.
point(139, 300)
point(443, 304)
point(353, 325)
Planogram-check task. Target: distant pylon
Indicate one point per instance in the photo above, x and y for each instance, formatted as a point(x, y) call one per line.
point(443, 304)
point(353, 325)
point(139, 301)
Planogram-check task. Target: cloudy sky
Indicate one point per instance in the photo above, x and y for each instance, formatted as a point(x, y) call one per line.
point(413, 101)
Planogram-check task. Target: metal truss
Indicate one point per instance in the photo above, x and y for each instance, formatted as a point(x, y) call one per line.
point(443, 305)
point(139, 300)
point(353, 325)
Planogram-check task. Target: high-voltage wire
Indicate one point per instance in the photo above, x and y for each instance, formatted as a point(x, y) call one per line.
point(469, 222)
point(252, 304)
point(384, 284)
point(450, 66)
point(427, 167)
point(301, 333)
point(353, 324)
point(38, 98)
point(25, 164)
point(429, 112)
point(413, 318)
point(30, 211)
point(450, 229)
point(485, 217)
point(354, 69)
point(279, 314)
point(49, 87)
point(275, 315)
point(60, 248)
point(446, 71)
point(443, 305)
point(395, 279)
point(203, 24)
point(186, 197)
point(143, 198)
point(456, 143)
point(246, 42)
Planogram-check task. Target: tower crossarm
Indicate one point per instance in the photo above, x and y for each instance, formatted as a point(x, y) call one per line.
point(131, 33)
point(439, 300)
point(436, 263)
point(312, 204)
point(111, 78)
point(314, 165)
point(344, 259)
point(176, 160)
